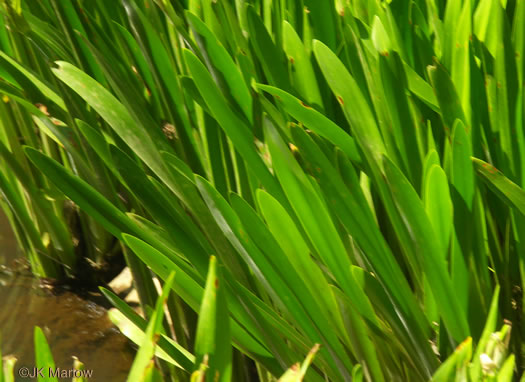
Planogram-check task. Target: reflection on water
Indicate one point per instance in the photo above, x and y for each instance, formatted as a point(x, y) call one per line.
point(73, 325)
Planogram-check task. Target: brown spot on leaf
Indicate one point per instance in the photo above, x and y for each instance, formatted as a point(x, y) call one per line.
point(305, 105)
point(216, 283)
point(156, 337)
point(340, 100)
point(491, 169)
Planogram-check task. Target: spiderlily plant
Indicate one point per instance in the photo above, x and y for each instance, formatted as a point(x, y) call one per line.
point(356, 168)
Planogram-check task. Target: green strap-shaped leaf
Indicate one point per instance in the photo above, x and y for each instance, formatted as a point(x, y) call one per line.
point(44, 357)
point(302, 72)
point(506, 372)
point(168, 349)
point(296, 373)
point(315, 121)
point(463, 188)
point(490, 327)
point(147, 348)
point(462, 173)
point(352, 102)
point(460, 68)
point(312, 298)
point(360, 337)
point(507, 92)
point(212, 341)
point(485, 24)
point(447, 96)
point(323, 18)
point(456, 364)
point(189, 290)
point(57, 228)
point(379, 37)
point(73, 26)
point(397, 105)
point(9, 368)
point(509, 192)
point(349, 204)
point(422, 234)
point(314, 217)
point(116, 115)
point(87, 198)
point(420, 87)
point(41, 265)
point(518, 36)
point(151, 373)
point(239, 133)
point(99, 144)
point(269, 55)
point(159, 208)
point(140, 60)
point(266, 273)
point(295, 249)
point(438, 205)
point(33, 79)
point(163, 69)
point(225, 65)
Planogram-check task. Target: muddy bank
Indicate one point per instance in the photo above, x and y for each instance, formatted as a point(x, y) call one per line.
point(75, 324)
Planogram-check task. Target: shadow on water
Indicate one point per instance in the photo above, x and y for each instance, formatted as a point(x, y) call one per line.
point(74, 324)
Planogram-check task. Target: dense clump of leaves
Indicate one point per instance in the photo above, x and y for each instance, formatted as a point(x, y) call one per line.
point(355, 167)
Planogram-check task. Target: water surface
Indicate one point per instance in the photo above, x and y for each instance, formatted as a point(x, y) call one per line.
point(75, 324)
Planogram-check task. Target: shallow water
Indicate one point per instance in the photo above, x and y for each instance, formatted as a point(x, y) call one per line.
point(74, 325)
